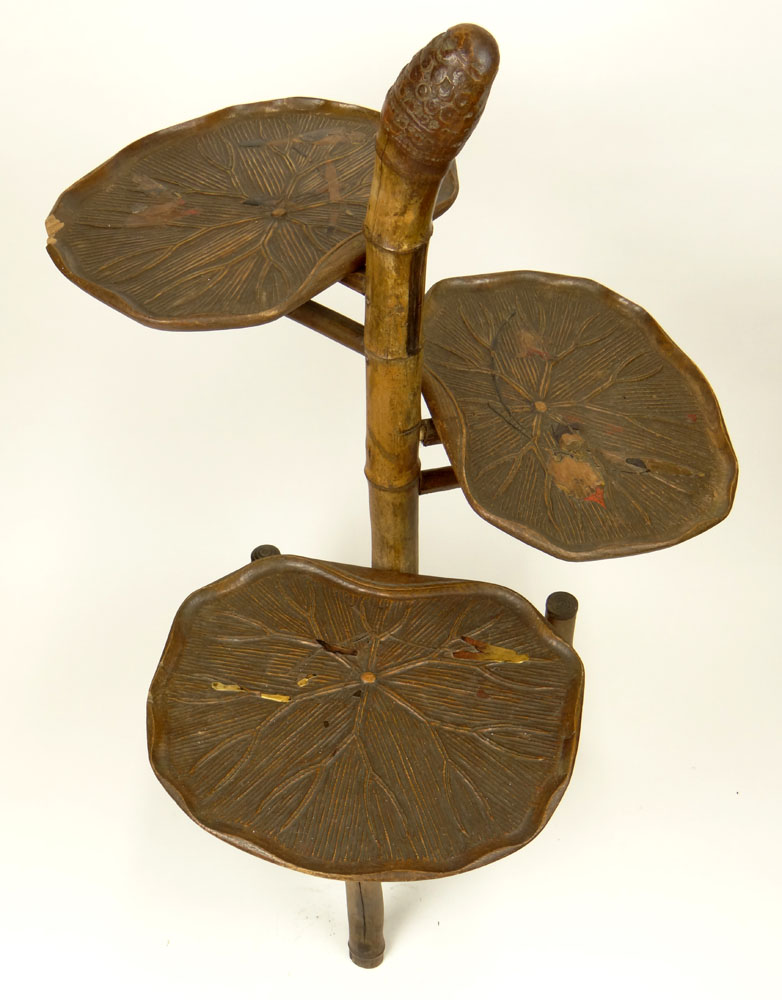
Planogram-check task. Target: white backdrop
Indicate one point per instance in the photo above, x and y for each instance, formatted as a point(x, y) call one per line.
point(636, 143)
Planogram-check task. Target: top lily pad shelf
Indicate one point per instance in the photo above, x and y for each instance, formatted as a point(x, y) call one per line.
point(229, 220)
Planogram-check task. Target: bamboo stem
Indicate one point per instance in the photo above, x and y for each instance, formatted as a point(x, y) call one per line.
point(427, 117)
point(393, 358)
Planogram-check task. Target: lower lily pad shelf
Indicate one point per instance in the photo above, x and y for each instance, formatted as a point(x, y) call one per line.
point(361, 724)
point(571, 420)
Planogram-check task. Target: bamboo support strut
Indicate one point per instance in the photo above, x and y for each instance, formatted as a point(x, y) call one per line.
point(437, 480)
point(331, 324)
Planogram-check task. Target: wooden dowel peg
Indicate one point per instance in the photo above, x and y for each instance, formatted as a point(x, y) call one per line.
point(561, 611)
point(263, 551)
point(428, 433)
point(357, 280)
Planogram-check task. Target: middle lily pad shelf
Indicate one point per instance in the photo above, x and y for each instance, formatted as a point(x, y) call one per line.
point(572, 421)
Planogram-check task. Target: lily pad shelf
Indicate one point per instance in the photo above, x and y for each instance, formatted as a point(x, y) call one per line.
point(230, 220)
point(362, 724)
point(571, 420)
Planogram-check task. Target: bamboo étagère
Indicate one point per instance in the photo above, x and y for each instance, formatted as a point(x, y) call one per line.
point(371, 724)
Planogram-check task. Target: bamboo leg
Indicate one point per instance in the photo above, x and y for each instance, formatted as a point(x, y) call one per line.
point(365, 923)
point(561, 611)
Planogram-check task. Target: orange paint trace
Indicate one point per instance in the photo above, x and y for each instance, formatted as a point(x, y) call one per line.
point(531, 345)
point(597, 496)
point(160, 212)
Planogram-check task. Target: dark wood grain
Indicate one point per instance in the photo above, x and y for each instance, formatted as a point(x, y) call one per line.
point(364, 724)
point(571, 420)
point(229, 220)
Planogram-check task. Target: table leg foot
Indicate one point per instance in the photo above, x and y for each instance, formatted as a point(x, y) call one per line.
point(365, 923)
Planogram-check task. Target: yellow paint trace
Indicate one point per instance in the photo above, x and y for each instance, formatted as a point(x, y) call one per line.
point(490, 654)
point(218, 686)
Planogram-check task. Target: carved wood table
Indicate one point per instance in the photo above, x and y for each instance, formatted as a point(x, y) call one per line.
point(372, 724)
